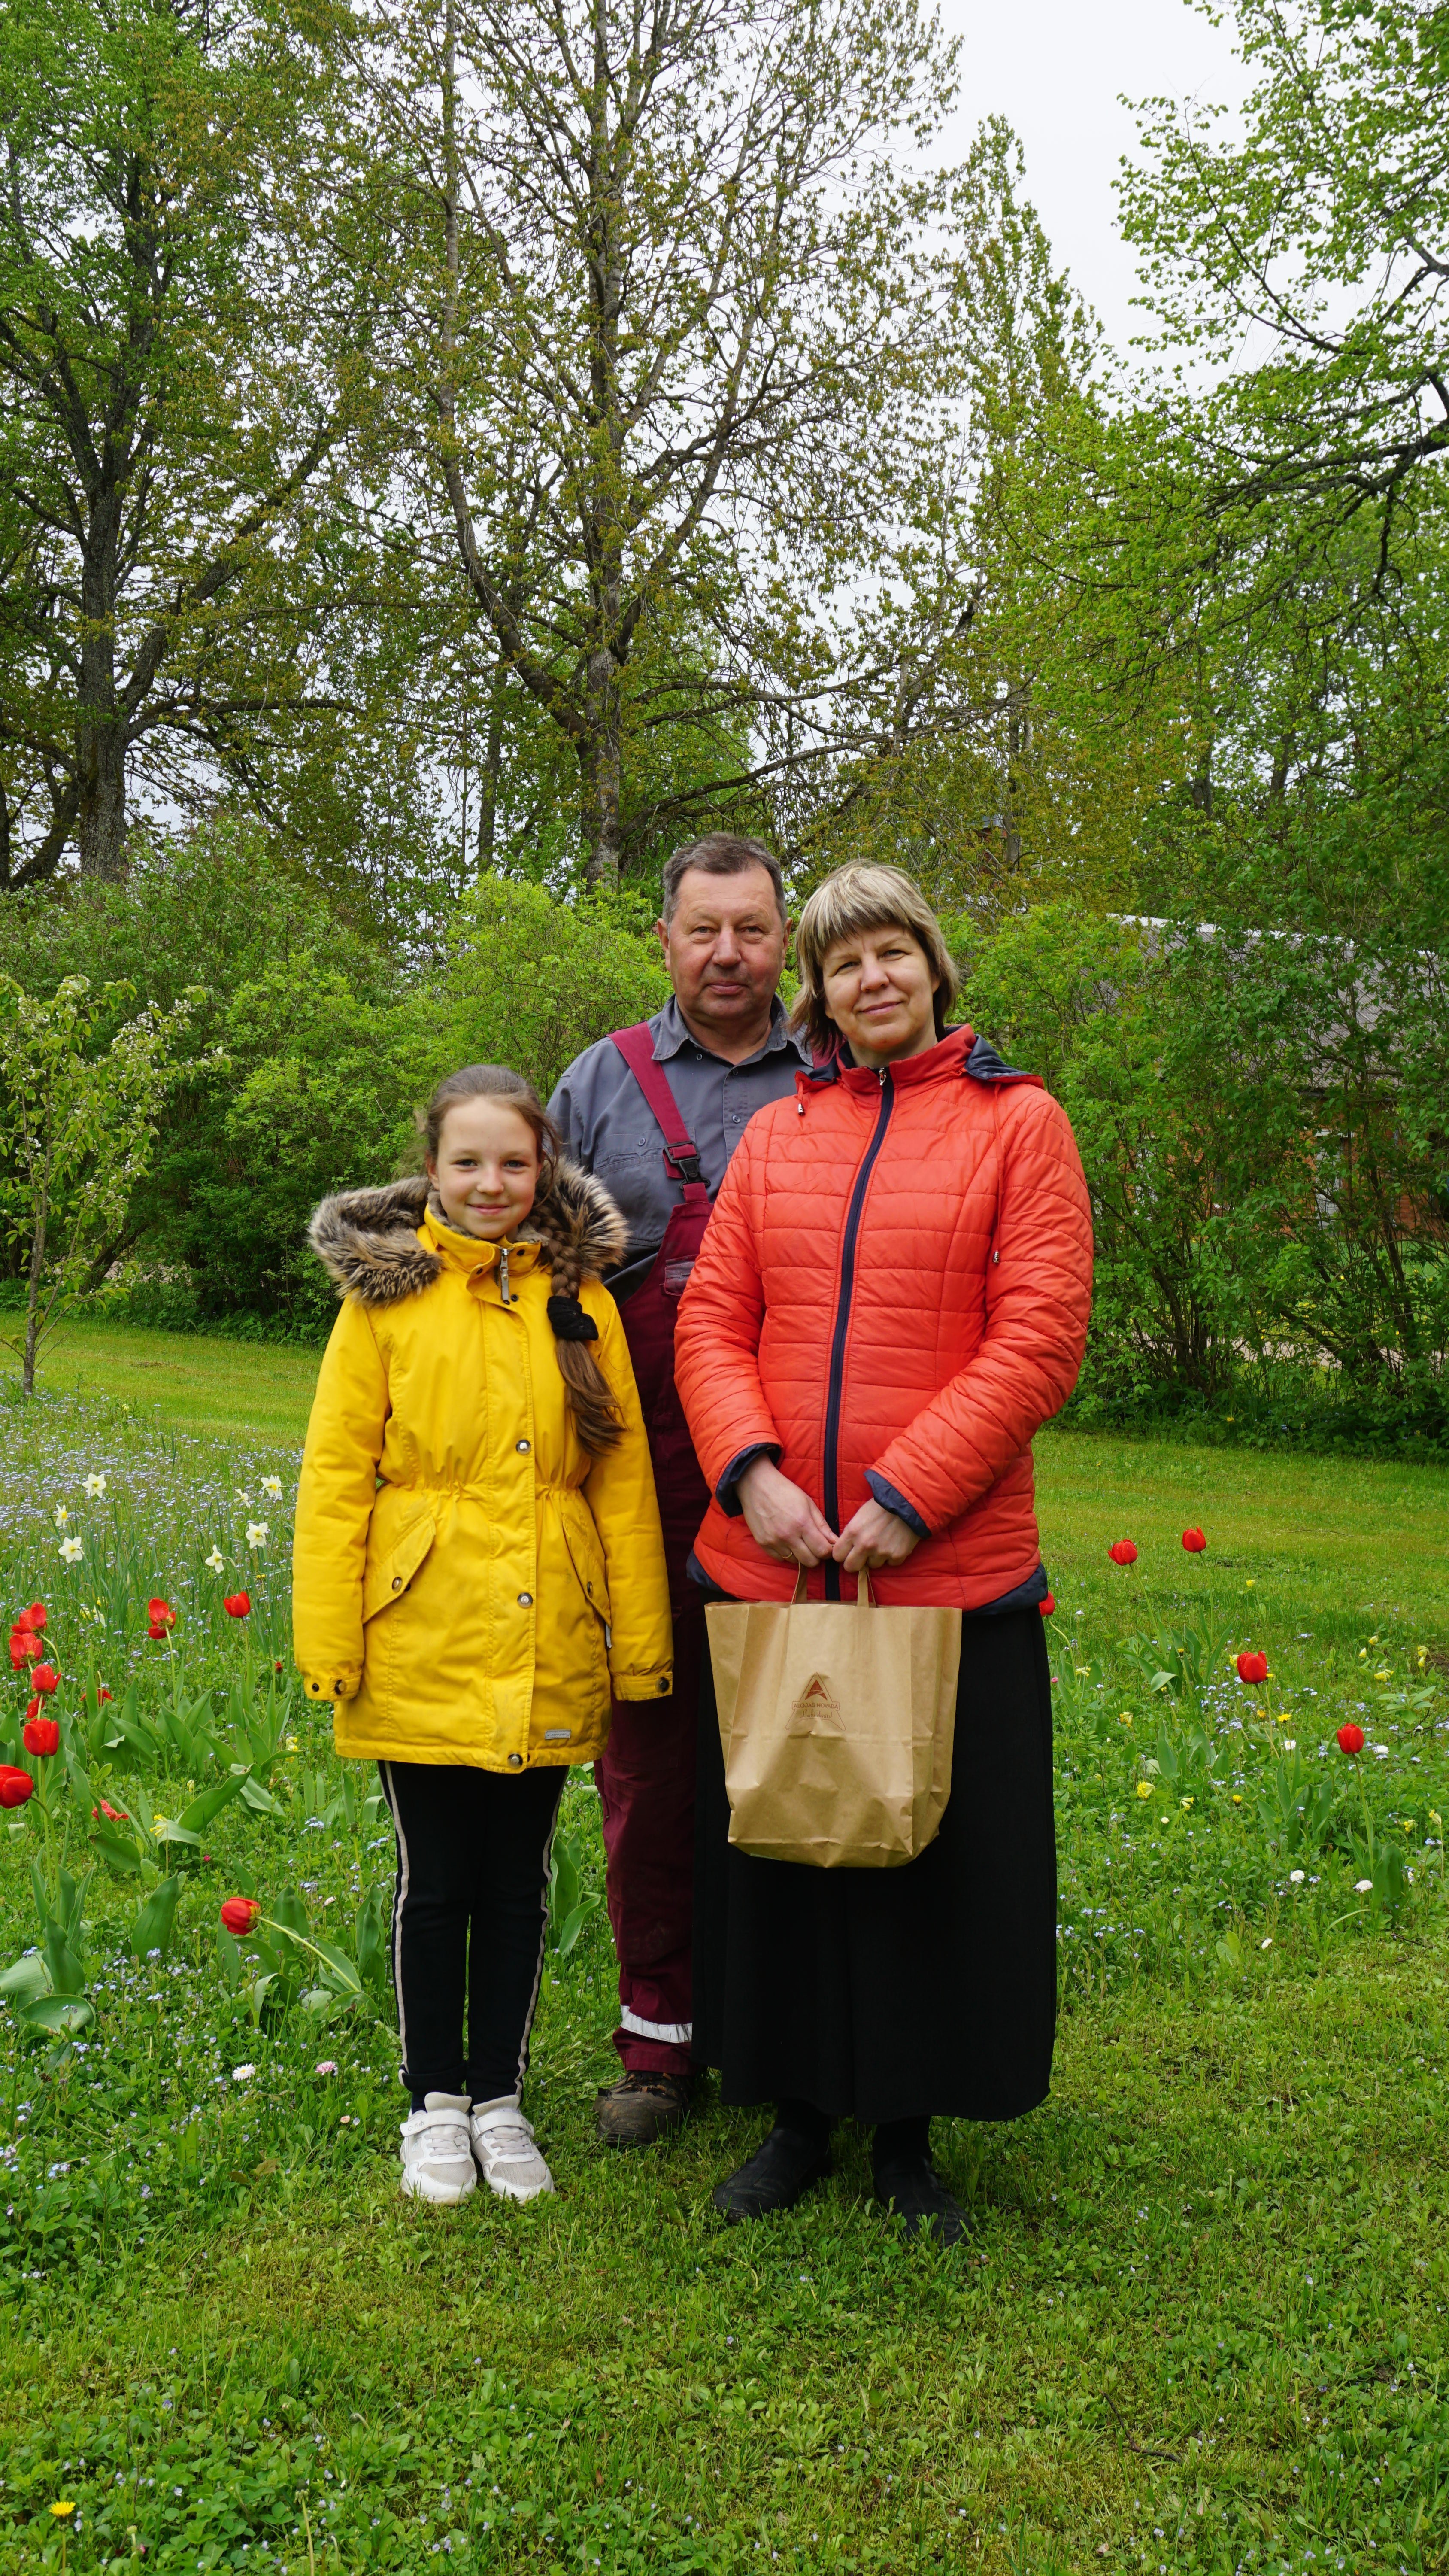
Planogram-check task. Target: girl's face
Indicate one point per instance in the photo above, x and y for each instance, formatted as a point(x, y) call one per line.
point(486, 1171)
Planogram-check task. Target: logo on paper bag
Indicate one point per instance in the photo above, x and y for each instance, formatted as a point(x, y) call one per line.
point(817, 1708)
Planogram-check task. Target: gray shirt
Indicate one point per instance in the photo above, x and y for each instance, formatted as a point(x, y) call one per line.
point(606, 1124)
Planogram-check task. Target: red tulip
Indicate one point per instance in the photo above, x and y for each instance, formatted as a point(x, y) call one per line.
point(25, 1646)
point(102, 1694)
point(1049, 1605)
point(239, 1914)
point(116, 1815)
point(1351, 1739)
point(15, 1786)
point(1252, 1668)
point(34, 1617)
point(1194, 1542)
point(238, 1605)
point(42, 1735)
point(1123, 1552)
point(161, 1616)
point(45, 1678)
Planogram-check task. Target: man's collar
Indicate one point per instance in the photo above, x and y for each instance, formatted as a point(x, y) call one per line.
point(672, 1033)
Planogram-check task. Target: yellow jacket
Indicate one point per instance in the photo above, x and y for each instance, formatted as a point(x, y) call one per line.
point(468, 1582)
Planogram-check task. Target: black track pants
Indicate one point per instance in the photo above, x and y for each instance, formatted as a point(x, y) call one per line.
point(470, 1913)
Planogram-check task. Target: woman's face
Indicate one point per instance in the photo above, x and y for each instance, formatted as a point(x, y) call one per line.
point(881, 994)
point(486, 1171)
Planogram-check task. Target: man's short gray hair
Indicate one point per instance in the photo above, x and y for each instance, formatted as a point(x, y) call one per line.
point(720, 854)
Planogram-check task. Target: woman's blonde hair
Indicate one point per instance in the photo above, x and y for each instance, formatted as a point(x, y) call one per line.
point(853, 900)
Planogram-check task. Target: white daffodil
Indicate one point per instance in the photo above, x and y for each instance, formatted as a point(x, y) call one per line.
point(216, 1561)
point(272, 1488)
point(70, 1551)
point(245, 1500)
point(61, 1516)
point(95, 1487)
point(258, 1533)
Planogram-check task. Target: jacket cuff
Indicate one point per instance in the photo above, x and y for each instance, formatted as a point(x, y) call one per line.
point(892, 1501)
point(643, 1685)
point(334, 1684)
point(726, 1492)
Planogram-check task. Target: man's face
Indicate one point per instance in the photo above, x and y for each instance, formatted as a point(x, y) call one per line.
point(725, 948)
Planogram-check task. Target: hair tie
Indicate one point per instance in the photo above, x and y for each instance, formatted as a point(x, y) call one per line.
point(569, 1321)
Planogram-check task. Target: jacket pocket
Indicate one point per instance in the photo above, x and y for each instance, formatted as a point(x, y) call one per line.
point(389, 1573)
point(586, 1555)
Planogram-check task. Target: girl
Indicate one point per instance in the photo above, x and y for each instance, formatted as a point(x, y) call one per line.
point(478, 1558)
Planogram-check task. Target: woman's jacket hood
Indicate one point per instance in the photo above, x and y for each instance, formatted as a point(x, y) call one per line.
point(367, 1240)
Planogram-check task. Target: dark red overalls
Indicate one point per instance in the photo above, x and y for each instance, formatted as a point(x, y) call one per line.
point(645, 1776)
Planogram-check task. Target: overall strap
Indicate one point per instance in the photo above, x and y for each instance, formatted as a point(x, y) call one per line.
point(681, 1154)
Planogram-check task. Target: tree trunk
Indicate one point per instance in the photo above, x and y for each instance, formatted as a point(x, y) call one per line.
point(601, 761)
point(37, 1264)
point(492, 765)
point(100, 733)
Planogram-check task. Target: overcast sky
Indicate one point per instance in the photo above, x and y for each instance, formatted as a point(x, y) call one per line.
point(1056, 69)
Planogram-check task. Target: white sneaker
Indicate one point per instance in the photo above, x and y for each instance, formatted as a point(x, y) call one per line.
point(437, 2160)
point(506, 2155)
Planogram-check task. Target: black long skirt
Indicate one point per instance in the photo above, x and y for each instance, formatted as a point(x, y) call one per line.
point(893, 1993)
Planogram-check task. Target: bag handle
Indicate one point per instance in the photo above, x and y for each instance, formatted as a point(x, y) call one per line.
point(865, 1598)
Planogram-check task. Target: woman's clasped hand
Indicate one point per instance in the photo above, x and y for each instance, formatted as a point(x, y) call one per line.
point(784, 1521)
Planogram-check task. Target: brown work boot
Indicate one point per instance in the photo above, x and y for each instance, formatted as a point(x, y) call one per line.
point(643, 2107)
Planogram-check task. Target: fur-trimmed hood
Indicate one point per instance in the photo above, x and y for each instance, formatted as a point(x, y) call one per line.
point(367, 1240)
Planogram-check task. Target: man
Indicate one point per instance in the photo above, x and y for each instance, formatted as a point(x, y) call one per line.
point(657, 1112)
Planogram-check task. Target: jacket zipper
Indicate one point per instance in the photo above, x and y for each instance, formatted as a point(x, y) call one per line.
point(842, 1323)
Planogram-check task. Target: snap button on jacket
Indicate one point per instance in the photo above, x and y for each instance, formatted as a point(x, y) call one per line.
point(468, 1581)
point(896, 1277)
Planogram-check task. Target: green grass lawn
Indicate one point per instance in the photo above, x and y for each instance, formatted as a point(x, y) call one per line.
point(188, 1381)
point(1200, 2321)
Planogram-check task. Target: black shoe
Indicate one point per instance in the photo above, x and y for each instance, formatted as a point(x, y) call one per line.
point(642, 2108)
point(779, 2173)
point(915, 2191)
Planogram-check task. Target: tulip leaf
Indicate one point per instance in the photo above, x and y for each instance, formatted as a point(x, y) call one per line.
point(121, 1855)
point(153, 1925)
point(322, 2002)
point(260, 1800)
point(26, 1981)
point(61, 2014)
point(67, 1975)
point(203, 1810)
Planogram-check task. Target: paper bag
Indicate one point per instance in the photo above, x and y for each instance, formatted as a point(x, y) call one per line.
point(837, 1722)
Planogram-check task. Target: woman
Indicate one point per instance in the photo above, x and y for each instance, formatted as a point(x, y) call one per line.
point(892, 1297)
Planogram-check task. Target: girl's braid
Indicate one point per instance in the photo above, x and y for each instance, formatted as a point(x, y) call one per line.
point(592, 1401)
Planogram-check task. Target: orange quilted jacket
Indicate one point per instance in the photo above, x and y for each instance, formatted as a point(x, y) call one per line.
point(896, 1277)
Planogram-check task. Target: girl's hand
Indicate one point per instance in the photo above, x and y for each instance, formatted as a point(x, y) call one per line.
point(874, 1536)
point(780, 1516)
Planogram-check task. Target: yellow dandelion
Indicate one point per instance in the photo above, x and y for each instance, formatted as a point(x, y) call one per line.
point(1144, 1788)
point(61, 2509)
